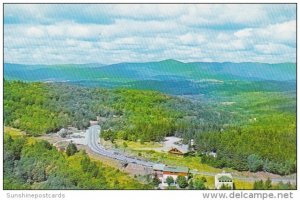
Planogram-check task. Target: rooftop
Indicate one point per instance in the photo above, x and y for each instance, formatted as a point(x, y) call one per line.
point(225, 179)
point(159, 167)
point(183, 149)
point(176, 169)
point(174, 142)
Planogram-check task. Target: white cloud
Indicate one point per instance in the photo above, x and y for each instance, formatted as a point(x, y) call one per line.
point(192, 39)
point(244, 33)
point(218, 14)
point(279, 32)
point(224, 36)
point(122, 28)
point(140, 11)
point(73, 30)
point(34, 32)
point(285, 31)
point(134, 33)
point(275, 49)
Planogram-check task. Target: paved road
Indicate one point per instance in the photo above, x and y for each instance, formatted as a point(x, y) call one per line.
point(92, 139)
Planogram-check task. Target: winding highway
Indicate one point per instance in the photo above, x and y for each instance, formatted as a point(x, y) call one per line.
point(92, 139)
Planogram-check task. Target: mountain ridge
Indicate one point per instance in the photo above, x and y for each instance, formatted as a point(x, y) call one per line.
point(169, 76)
point(159, 61)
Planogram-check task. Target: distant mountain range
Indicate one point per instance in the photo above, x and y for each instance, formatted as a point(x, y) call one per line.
point(168, 76)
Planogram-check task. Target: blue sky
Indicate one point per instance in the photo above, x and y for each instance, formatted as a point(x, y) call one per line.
point(64, 33)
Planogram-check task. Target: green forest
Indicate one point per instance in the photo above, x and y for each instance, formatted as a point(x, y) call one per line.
point(36, 164)
point(40, 108)
point(264, 139)
point(257, 132)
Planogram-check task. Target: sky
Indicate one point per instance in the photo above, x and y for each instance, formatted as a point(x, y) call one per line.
point(114, 33)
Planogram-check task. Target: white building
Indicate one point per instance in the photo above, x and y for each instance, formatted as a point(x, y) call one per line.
point(223, 179)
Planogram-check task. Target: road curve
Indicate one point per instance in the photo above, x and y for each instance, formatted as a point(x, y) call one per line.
point(92, 139)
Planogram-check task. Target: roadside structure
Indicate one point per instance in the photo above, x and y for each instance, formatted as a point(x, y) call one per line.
point(162, 172)
point(223, 179)
point(174, 172)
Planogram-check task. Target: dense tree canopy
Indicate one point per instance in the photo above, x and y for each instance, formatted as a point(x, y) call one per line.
point(40, 108)
point(248, 130)
point(35, 164)
point(267, 185)
point(266, 142)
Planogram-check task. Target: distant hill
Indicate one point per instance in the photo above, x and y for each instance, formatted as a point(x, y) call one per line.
point(169, 76)
point(276, 72)
point(65, 72)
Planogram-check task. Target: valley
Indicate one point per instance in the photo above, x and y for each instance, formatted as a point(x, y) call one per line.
point(244, 113)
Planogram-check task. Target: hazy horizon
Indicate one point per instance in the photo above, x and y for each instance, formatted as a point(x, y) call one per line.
point(154, 61)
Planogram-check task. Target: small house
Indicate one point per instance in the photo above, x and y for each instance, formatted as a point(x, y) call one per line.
point(174, 172)
point(162, 172)
point(179, 150)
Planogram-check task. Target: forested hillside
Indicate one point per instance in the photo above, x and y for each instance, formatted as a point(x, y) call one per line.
point(265, 140)
point(36, 164)
point(40, 108)
point(249, 130)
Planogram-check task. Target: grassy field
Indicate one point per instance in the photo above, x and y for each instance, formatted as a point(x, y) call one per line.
point(243, 185)
point(147, 150)
point(137, 145)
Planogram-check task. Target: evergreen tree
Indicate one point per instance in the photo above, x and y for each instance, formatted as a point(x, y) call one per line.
point(258, 185)
point(268, 184)
point(199, 184)
point(181, 181)
point(170, 180)
point(71, 149)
